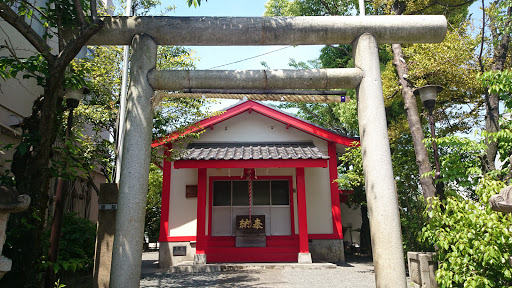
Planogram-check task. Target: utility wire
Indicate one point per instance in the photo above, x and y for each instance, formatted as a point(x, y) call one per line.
point(251, 57)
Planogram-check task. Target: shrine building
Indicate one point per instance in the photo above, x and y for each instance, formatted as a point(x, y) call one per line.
point(256, 186)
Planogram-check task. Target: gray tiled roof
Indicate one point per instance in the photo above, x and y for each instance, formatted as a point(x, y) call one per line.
point(246, 151)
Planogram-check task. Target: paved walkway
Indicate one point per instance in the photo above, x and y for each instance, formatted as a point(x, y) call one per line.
point(354, 274)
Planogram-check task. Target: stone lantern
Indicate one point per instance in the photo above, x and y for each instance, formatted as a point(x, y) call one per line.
point(502, 202)
point(10, 202)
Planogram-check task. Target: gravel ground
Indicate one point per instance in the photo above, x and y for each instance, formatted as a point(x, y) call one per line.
point(354, 274)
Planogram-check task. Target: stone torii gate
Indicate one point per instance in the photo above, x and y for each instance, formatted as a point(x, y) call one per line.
point(364, 33)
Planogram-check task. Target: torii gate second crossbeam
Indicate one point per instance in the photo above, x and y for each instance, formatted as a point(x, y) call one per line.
point(364, 33)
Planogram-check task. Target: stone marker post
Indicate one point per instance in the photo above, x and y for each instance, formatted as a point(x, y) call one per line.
point(105, 234)
point(133, 184)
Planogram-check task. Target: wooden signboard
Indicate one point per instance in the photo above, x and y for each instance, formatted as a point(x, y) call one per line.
point(190, 191)
point(250, 232)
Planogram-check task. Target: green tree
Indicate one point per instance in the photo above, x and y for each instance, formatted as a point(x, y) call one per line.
point(343, 119)
point(352, 178)
point(450, 64)
point(499, 18)
point(462, 225)
point(407, 86)
point(77, 245)
point(50, 68)
point(153, 206)
point(96, 118)
point(474, 242)
point(30, 165)
point(100, 111)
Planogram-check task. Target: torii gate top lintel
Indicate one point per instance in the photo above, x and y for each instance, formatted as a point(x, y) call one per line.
point(248, 31)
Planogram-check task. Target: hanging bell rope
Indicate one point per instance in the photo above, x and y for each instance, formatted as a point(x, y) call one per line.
point(249, 180)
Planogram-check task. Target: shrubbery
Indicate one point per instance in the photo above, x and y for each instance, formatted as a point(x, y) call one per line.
point(76, 246)
point(474, 242)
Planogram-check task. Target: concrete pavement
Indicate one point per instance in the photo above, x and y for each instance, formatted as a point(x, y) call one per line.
point(354, 274)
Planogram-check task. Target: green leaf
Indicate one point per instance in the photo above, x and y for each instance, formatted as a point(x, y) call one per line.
point(56, 267)
point(506, 273)
point(65, 265)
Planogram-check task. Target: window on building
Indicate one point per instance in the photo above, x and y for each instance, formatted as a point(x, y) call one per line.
point(222, 195)
point(264, 193)
point(240, 193)
point(269, 197)
point(280, 193)
point(261, 192)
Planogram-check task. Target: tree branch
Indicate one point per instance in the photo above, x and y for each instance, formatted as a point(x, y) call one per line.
point(501, 52)
point(13, 53)
point(327, 7)
point(34, 7)
point(91, 181)
point(89, 177)
point(309, 111)
point(480, 61)
point(80, 12)
point(448, 123)
point(411, 111)
point(74, 45)
point(94, 11)
point(60, 40)
point(336, 6)
point(18, 22)
point(340, 48)
point(441, 4)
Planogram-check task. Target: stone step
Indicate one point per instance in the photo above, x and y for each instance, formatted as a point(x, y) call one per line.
point(190, 268)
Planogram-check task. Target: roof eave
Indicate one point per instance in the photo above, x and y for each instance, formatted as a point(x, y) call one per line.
point(277, 115)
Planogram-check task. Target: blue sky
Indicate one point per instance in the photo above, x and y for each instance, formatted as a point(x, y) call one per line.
point(211, 56)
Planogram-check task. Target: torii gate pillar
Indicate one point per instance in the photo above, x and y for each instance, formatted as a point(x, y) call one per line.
point(133, 184)
point(388, 256)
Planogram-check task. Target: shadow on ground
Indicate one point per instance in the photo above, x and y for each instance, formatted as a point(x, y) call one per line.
point(355, 258)
point(238, 279)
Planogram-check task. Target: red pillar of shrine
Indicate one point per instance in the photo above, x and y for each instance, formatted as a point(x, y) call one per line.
point(200, 257)
point(304, 255)
point(166, 192)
